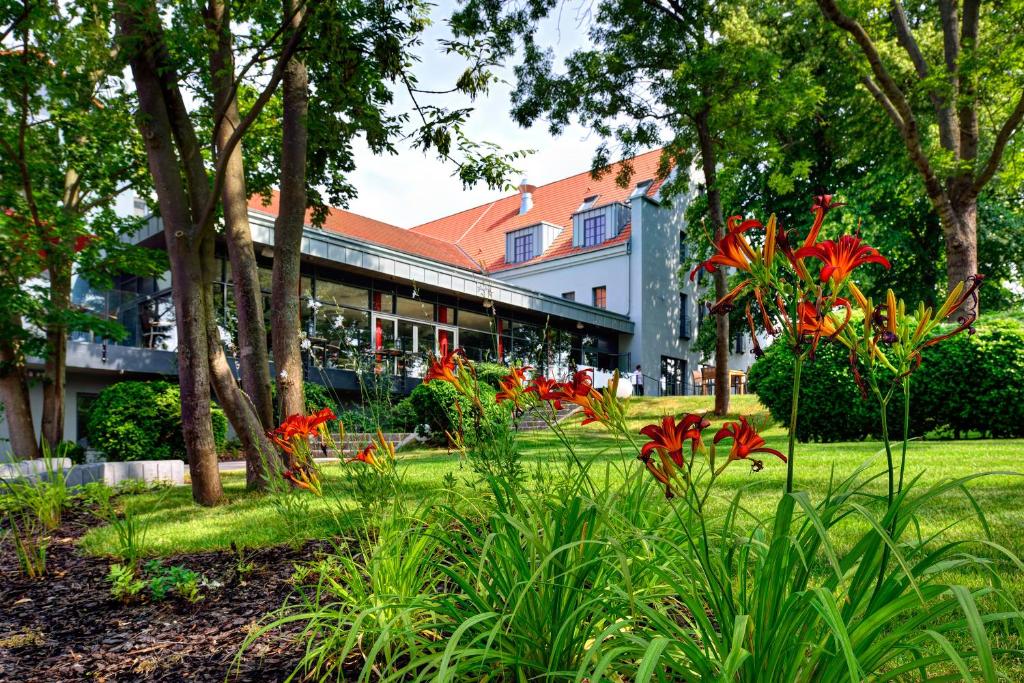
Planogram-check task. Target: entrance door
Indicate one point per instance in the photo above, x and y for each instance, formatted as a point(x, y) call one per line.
point(385, 342)
point(673, 376)
point(447, 340)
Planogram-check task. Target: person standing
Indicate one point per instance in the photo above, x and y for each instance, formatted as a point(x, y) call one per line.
point(638, 382)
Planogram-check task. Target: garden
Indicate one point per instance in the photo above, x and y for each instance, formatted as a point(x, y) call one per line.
point(639, 539)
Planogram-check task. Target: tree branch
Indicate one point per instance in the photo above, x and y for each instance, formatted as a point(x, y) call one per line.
point(884, 101)
point(968, 109)
point(943, 109)
point(999, 146)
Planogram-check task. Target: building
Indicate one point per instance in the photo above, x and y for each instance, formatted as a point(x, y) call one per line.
point(574, 273)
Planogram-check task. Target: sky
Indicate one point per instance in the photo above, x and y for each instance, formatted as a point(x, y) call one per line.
point(413, 188)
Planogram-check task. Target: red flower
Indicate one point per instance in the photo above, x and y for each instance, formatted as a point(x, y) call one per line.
point(581, 382)
point(745, 441)
point(813, 324)
point(732, 249)
point(297, 480)
point(579, 389)
point(840, 258)
point(822, 205)
point(300, 426)
point(546, 390)
point(443, 368)
point(670, 436)
point(365, 455)
point(512, 385)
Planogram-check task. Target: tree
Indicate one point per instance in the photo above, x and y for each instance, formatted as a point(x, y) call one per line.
point(956, 120)
point(64, 159)
point(702, 79)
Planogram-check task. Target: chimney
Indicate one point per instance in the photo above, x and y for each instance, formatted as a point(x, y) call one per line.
point(525, 196)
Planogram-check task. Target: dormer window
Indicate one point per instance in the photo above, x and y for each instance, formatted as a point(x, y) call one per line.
point(587, 203)
point(522, 247)
point(593, 230)
point(641, 188)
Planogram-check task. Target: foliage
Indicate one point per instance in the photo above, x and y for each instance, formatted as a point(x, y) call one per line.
point(71, 450)
point(444, 411)
point(142, 421)
point(491, 374)
point(400, 417)
point(990, 403)
point(125, 585)
point(130, 531)
point(165, 580)
point(42, 496)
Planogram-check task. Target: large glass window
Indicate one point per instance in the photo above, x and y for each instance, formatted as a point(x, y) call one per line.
point(476, 321)
point(478, 346)
point(415, 308)
point(383, 302)
point(593, 230)
point(339, 294)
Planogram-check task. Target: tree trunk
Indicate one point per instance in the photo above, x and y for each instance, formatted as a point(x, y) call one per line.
point(722, 339)
point(143, 44)
point(961, 236)
point(254, 364)
point(56, 358)
point(285, 300)
point(15, 397)
point(259, 450)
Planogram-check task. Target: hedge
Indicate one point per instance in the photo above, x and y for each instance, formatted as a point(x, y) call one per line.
point(435, 405)
point(966, 384)
point(142, 421)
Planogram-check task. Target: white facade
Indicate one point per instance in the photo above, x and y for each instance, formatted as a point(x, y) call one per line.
point(642, 280)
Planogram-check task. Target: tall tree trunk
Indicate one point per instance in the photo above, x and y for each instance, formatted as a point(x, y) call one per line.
point(285, 301)
point(708, 161)
point(15, 397)
point(56, 357)
point(137, 35)
point(960, 229)
point(260, 452)
point(254, 363)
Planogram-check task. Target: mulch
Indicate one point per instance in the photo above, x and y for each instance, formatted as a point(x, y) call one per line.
point(67, 627)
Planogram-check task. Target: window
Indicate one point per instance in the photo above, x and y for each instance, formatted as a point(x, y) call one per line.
point(601, 297)
point(415, 308)
point(140, 206)
point(741, 343)
point(641, 188)
point(587, 203)
point(684, 250)
point(684, 316)
point(522, 248)
point(569, 296)
point(593, 230)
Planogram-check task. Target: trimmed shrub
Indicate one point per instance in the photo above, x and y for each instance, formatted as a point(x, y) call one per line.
point(966, 384)
point(142, 421)
point(491, 374)
point(438, 406)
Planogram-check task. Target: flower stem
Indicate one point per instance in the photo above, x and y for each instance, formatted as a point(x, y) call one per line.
point(883, 409)
point(906, 429)
point(797, 366)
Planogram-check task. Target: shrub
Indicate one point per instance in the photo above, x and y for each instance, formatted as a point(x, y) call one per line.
point(491, 373)
point(142, 421)
point(400, 417)
point(438, 405)
point(966, 384)
point(317, 398)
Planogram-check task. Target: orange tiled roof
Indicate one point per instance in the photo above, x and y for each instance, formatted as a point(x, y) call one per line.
point(378, 232)
point(480, 231)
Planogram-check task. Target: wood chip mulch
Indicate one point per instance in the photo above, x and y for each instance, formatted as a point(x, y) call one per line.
point(67, 627)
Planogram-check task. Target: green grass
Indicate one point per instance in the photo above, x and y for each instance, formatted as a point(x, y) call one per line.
point(176, 525)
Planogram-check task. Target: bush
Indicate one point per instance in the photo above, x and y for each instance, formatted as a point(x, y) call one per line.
point(142, 421)
point(435, 405)
point(491, 374)
point(969, 383)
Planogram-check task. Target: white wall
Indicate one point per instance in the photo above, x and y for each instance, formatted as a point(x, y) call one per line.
point(580, 273)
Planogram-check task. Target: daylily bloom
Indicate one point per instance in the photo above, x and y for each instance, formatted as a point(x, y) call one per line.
point(302, 480)
point(813, 323)
point(732, 249)
point(512, 388)
point(365, 455)
point(580, 382)
point(822, 205)
point(546, 390)
point(302, 426)
point(745, 441)
point(670, 436)
point(443, 368)
point(841, 257)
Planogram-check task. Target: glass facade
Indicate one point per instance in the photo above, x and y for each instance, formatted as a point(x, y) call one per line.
point(349, 321)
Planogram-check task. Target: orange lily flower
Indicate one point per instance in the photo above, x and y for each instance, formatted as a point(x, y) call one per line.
point(670, 436)
point(840, 258)
point(745, 441)
point(443, 368)
point(822, 205)
point(546, 390)
point(814, 324)
point(512, 385)
point(732, 249)
point(365, 455)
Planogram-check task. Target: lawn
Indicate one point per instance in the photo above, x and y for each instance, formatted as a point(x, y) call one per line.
point(176, 525)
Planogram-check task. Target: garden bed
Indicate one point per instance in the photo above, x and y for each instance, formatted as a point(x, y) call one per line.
point(67, 627)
